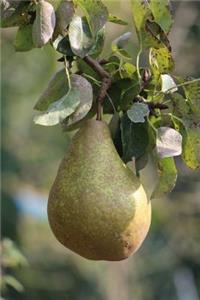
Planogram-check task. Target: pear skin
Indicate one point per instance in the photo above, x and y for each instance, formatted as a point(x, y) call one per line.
point(97, 207)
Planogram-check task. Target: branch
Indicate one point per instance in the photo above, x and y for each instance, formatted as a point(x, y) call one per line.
point(106, 82)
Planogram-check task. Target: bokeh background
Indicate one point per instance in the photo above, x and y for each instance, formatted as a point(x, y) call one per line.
point(167, 267)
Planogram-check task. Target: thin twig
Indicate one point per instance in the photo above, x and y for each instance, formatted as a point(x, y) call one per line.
point(106, 82)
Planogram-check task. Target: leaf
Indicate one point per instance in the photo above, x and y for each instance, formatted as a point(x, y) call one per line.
point(161, 60)
point(96, 13)
point(180, 105)
point(59, 110)
point(122, 40)
point(162, 15)
point(167, 177)
point(141, 12)
point(80, 36)
point(138, 112)
point(191, 147)
point(168, 142)
point(57, 88)
point(44, 24)
point(10, 280)
point(62, 45)
point(142, 18)
point(23, 40)
point(192, 93)
point(119, 43)
point(98, 44)
point(134, 138)
point(168, 84)
point(128, 70)
point(64, 15)
point(14, 13)
point(116, 20)
point(86, 98)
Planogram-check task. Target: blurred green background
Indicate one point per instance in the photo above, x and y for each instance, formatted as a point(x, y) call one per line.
point(167, 267)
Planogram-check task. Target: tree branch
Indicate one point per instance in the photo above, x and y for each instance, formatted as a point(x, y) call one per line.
point(106, 82)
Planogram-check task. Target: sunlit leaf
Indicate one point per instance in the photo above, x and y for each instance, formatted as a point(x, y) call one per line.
point(57, 88)
point(138, 112)
point(141, 12)
point(95, 12)
point(23, 40)
point(161, 60)
point(168, 142)
point(167, 177)
point(80, 36)
point(191, 147)
point(86, 98)
point(116, 20)
point(192, 93)
point(13, 282)
point(162, 15)
point(168, 84)
point(44, 23)
point(59, 110)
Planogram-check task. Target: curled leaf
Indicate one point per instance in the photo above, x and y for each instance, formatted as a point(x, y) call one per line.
point(44, 24)
point(59, 110)
point(80, 36)
point(86, 97)
point(168, 142)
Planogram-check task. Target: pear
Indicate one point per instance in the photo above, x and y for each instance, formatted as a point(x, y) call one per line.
point(97, 207)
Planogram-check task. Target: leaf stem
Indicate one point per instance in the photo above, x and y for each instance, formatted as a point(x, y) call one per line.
point(67, 73)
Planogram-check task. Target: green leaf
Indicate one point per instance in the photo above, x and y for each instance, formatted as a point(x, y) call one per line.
point(86, 98)
point(168, 84)
point(168, 142)
point(44, 24)
point(64, 15)
point(128, 70)
point(59, 110)
point(191, 147)
point(161, 60)
point(57, 88)
point(95, 12)
point(192, 93)
point(116, 20)
point(119, 43)
point(180, 105)
point(54, 3)
point(162, 15)
point(141, 12)
point(98, 44)
point(167, 177)
point(15, 14)
point(80, 37)
point(62, 45)
point(138, 112)
point(134, 138)
point(121, 93)
point(10, 280)
point(23, 40)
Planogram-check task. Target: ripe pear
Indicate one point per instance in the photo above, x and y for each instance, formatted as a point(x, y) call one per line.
point(97, 207)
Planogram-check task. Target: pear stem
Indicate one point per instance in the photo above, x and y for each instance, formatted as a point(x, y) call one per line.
point(106, 82)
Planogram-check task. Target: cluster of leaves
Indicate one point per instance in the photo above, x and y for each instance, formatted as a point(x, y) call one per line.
point(11, 258)
point(154, 113)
